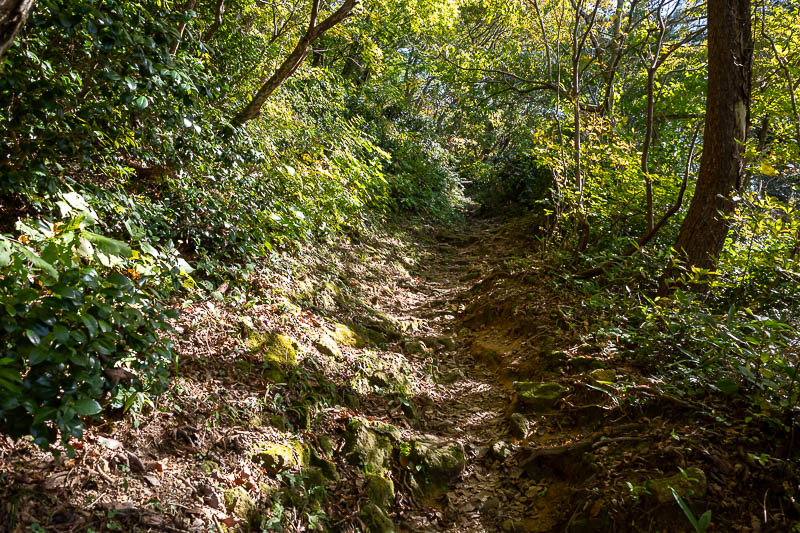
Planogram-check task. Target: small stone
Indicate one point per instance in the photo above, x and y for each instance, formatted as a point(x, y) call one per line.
point(111, 444)
point(135, 464)
point(501, 450)
point(152, 480)
point(520, 426)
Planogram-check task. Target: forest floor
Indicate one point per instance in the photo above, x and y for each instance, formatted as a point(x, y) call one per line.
point(423, 379)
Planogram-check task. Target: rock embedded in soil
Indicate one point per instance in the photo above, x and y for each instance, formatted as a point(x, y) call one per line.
point(327, 346)
point(690, 483)
point(439, 463)
point(327, 468)
point(345, 336)
point(238, 502)
point(501, 451)
point(278, 352)
point(381, 491)
point(607, 375)
point(583, 363)
point(415, 347)
point(487, 351)
point(376, 519)
point(537, 397)
point(370, 445)
point(274, 457)
point(519, 425)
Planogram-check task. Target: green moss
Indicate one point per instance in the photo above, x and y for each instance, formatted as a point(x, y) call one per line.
point(278, 352)
point(690, 483)
point(381, 491)
point(376, 519)
point(535, 397)
point(238, 502)
point(369, 445)
point(438, 462)
point(274, 457)
point(345, 336)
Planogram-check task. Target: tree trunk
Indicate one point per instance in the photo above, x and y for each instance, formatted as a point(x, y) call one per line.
point(294, 60)
point(730, 61)
point(13, 14)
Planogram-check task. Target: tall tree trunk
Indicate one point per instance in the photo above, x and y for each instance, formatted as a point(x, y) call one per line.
point(730, 62)
point(13, 14)
point(293, 60)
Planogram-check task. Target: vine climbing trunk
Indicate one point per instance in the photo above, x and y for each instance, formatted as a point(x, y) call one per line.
point(730, 61)
point(13, 14)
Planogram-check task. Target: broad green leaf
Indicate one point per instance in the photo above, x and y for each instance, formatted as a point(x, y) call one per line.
point(108, 245)
point(91, 324)
point(87, 407)
point(38, 262)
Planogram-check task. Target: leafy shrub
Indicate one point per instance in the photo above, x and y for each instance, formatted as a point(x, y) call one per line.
point(76, 322)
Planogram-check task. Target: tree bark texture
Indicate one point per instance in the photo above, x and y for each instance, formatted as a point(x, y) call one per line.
point(730, 61)
point(13, 14)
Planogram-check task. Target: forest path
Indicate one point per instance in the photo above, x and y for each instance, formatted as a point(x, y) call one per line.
point(473, 401)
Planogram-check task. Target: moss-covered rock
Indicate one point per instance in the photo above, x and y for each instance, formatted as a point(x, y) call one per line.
point(582, 363)
point(278, 421)
point(607, 375)
point(371, 336)
point(381, 491)
point(519, 425)
point(239, 503)
point(345, 336)
point(370, 444)
point(689, 483)
point(327, 346)
point(327, 468)
point(278, 352)
point(536, 397)
point(388, 374)
point(376, 519)
point(415, 347)
point(383, 323)
point(274, 457)
point(437, 463)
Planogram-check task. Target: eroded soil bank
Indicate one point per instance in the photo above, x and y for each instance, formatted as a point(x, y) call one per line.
point(427, 380)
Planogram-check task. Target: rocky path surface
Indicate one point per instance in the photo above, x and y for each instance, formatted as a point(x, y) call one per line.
point(472, 403)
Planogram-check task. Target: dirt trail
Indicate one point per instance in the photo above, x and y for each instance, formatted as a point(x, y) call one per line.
point(473, 405)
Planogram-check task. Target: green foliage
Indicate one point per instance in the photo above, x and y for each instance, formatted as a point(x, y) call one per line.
point(76, 322)
point(701, 524)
